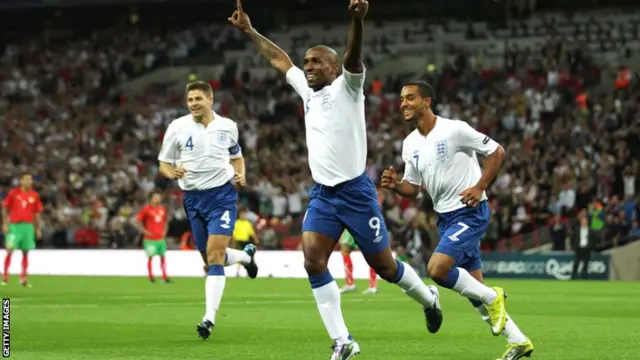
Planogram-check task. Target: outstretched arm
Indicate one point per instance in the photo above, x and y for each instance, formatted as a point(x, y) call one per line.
point(276, 56)
point(353, 56)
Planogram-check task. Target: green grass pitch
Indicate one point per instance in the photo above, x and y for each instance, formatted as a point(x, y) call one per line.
point(65, 318)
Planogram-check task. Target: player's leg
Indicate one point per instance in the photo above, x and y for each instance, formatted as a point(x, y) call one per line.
point(518, 345)
point(362, 216)
point(320, 231)
point(161, 251)
point(220, 223)
point(27, 243)
point(150, 251)
point(244, 256)
point(198, 227)
point(7, 259)
point(7, 263)
point(345, 250)
point(460, 235)
point(373, 282)
point(12, 242)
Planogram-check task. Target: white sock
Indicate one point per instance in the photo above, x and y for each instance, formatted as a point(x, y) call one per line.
point(511, 330)
point(413, 286)
point(236, 257)
point(328, 300)
point(214, 288)
point(468, 286)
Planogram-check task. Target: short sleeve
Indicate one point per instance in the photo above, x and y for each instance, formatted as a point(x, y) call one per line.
point(411, 173)
point(169, 149)
point(296, 78)
point(39, 207)
point(354, 82)
point(142, 214)
point(6, 203)
point(470, 138)
point(235, 151)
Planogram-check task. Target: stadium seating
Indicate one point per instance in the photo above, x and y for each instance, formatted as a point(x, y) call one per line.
point(86, 117)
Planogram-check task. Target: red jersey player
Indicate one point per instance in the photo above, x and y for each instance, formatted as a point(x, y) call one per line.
point(152, 221)
point(21, 224)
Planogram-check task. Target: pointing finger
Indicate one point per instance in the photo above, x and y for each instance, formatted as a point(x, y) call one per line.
point(239, 5)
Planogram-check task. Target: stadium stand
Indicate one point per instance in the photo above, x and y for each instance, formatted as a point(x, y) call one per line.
point(85, 113)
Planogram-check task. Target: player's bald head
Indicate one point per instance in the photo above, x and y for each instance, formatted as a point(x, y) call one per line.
point(320, 66)
point(329, 54)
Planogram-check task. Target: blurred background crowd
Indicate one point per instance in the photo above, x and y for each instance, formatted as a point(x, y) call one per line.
point(86, 96)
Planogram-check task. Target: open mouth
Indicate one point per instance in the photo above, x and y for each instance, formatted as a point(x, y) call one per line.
point(311, 77)
point(407, 112)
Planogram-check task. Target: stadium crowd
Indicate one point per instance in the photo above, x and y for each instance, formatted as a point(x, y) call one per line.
point(572, 149)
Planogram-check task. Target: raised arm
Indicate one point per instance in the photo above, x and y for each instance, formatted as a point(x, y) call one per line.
point(276, 56)
point(353, 55)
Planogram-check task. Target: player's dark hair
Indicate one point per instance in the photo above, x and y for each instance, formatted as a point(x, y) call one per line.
point(424, 89)
point(155, 191)
point(22, 175)
point(200, 85)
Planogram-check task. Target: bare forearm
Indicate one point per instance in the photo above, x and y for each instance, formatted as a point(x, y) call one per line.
point(492, 165)
point(238, 165)
point(140, 226)
point(270, 51)
point(37, 221)
point(355, 43)
point(5, 216)
point(406, 189)
point(167, 170)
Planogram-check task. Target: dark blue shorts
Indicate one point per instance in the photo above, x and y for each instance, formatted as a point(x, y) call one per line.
point(211, 212)
point(460, 234)
point(352, 205)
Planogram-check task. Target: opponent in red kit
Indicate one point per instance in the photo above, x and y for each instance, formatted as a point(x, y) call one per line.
point(152, 221)
point(21, 211)
point(347, 245)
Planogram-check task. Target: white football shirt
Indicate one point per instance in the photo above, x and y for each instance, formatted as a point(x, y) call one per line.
point(445, 161)
point(205, 152)
point(335, 127)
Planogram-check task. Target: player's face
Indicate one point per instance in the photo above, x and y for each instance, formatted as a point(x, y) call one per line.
point(156, 199)
point(412, 105)
point(26, 181)
point(199, 102)
point(319, 67)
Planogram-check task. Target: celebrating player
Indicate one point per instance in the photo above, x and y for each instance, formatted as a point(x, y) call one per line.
point(441, 155)
point(347, 245)
point(343, 196)
point(21, 211)
point(152, 221)
point(201, 151)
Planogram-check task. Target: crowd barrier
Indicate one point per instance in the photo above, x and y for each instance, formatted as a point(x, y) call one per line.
point(286, 264)
point(552, 265)
point(180, 263)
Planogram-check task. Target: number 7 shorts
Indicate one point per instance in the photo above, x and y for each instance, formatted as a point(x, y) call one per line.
point(460, 234)
point(351, 205)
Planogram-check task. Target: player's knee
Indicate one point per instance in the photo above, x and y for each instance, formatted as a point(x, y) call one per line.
point(315, 265)
point(386, 270)
point(215, 256)
point(437, 271)
point(216, 249)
